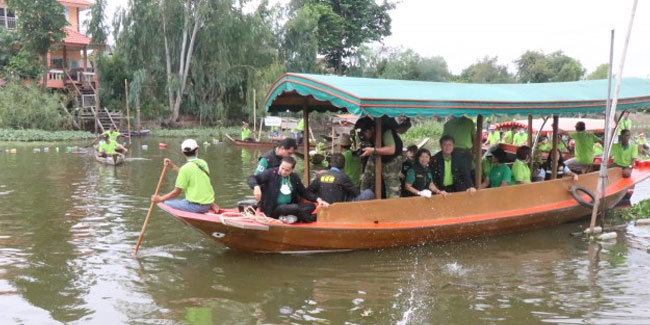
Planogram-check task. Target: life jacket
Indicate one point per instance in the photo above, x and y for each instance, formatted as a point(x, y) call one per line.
point(422, 179)
point(399, 145)
point(272, 160)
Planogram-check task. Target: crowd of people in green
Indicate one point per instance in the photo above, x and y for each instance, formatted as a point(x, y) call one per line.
point(281, 194)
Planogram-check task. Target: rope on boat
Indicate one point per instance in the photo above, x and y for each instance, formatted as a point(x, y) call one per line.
point(249, 214)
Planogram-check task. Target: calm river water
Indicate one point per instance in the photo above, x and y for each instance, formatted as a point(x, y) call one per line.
point(68, 227)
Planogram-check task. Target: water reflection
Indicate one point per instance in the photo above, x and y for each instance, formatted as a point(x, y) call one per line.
point(68, 227)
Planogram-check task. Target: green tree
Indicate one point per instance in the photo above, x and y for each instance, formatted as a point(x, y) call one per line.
point(486, 70)
point(601, 72)
point(393, 63)
point(344, 25)
point(565, 68)
point(40, 25)
point(535, 66)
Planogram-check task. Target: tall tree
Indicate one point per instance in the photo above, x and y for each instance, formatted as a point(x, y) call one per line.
point(486, 70)
point(344, 25)
point(535, 66)
point(600, 72)
point(40, 25)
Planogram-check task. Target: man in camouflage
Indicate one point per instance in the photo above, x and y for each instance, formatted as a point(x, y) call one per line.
point(390, 152)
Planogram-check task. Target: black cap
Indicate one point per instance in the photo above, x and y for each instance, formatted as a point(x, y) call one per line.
point(364, 123)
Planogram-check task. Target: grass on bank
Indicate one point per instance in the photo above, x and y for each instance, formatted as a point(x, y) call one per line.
point(41, 135)
point(215, 132)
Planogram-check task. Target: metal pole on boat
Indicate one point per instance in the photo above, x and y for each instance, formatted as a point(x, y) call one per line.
point(530, 141)
point(554, 153)
point(612, 113)
point(305, 141)
point(533, 149)
point(254, 111)
point(378, 133)
point(128, 111)
point(478, 150)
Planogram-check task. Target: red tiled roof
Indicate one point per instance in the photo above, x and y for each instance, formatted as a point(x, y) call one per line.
point(74, 37)
point(76, 3)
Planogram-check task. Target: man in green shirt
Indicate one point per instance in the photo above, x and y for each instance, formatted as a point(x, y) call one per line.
point(500, 173)
point(273, 157)
point(520, 169)
point(193, 179)
point(584, 149)
point(246, 133)
point(300, 128)
point(352, 167)
point(109, 147)
point(494, 136)
point(520, 138)
point(624, 153)
point(509, 135)
point(625, 123)
point(642, 143)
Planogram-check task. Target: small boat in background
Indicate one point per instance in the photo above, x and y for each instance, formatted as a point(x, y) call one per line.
point(114, 160)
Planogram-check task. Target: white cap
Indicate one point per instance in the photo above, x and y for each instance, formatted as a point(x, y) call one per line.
point(189, 145)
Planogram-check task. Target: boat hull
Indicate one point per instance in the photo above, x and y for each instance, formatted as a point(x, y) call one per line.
point(418, 221)
point(109, 160)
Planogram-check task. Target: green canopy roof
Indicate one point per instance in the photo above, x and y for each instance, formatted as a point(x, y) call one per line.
point(377, 97)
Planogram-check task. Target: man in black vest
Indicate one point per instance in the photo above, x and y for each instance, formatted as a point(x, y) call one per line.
point(273, 157)
point(450, 170)
point(279, 192)
point(334, 186)
point(391, 157)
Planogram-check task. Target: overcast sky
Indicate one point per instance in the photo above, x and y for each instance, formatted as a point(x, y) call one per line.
point(463, 31)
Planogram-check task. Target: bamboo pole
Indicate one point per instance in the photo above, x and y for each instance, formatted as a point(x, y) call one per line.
point(378, 167)
point(128, 111)
point(305, 142)
point(478, 151)
point(146, 220)
point(255, 112)
point(554, 153)
point(612, 112)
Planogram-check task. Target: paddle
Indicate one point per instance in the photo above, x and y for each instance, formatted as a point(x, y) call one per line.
point(146, 220)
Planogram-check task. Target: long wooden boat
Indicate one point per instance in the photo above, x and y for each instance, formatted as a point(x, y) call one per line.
point(257, 144)
point(412, 221)
point(110, 161)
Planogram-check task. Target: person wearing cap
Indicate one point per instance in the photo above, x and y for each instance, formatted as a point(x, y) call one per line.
point(624, 152)
point(279, 192)
point(642, 143)
point(193, 180)
point(352, 162)
point(584, 149)
point(334, 186)
point(391, 157)
point(246, 133)
point(520, 168)
point(500, 173)
point(273, 157)
point(451, 171)
point(494, 136)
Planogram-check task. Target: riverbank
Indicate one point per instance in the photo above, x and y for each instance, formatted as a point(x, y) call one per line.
point(31, 135)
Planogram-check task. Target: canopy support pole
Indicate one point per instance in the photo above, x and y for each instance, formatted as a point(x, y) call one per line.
point(128, 111)
point(533, 149)
point(612, 113)
point(530, 141)
point(378, 167)
point(305, 143)
point(477, 151)
point(254, 111)
point(554, 158)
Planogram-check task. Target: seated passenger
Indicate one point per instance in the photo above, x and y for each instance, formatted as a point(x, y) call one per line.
point(419, 180)
point(509, 135)
point(450, 171)
point(642, 143)
point(279, 192)
point(246, 133)
point(624, 152)
point(193, 179)
point(562, 169)
point(109, 147)
point(520, 138)
point(334, 186)
point(520, 169)
point(408, 163)
point(500, 174)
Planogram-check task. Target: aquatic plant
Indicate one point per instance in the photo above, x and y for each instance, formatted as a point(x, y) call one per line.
point(41, 135)
point(640, 210)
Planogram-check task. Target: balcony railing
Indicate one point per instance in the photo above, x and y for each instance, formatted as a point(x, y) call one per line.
point(8, 22)
point(55, 75)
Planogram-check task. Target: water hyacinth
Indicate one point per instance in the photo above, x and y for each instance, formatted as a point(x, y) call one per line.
point(40, 135)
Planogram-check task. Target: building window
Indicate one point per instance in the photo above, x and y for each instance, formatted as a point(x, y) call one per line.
point(67, 13)
point(3, 20)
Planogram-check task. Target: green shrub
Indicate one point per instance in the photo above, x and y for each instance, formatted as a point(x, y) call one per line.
point(40, 135)
point(27, 107)
point(422, 129)
point(197, 132)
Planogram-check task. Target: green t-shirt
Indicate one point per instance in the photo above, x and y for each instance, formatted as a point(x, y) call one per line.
point(246, 133)
point(598, 150)
point(486, 166)
point(301, 125)
point(584, 146)
point(641, 141)
point(448, 179)
point(352, 167)
point(387, 139)
point(494, 138)
point(520, 139)
point(520, 171)
point(507, 137)
point(624, 156)
point(195, 182)
point(500, 173)
point(285, 198)
point(108, 148)
point(625, 124)
point(545, 146)
point(112, 135)
point(262, 165)
point(462, 130)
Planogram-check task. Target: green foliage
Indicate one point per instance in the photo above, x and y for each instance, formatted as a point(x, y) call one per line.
point(9, 46)
point(202, 133)
point(113, 70)
point(486, 71)
point(96, 27)
point(422, 129)
point(27, 107)
point(641, 210)
point(23, 64)
point(40, 24)
point(600, 72)
point(40, 135)
point(393, 63)
point(535, 67)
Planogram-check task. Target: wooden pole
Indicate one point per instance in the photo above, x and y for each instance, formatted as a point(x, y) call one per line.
point(333, 135)
point(305, 142)
point(554, 158)
point(530, 141)
point(477, 152)
point(254, 112)
point(378, 134)
point(146, 220)
point(128, 111)
point(259, 134)
point(606, 151)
